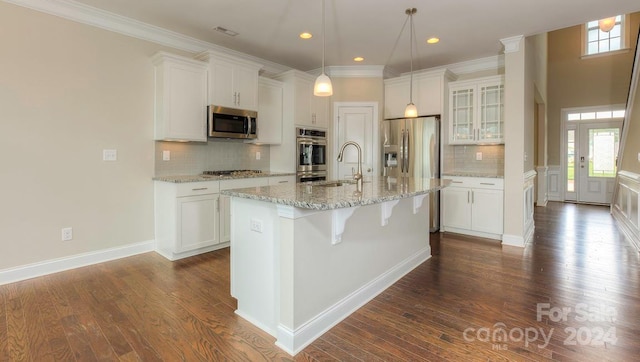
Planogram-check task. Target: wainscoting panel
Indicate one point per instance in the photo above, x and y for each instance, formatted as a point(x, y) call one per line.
point(543, 184)
point(555, 184)
point(625, 207)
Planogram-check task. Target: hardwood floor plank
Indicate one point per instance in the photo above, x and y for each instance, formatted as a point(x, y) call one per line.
point(37, 329)
point(18, 338)
point(4, 333)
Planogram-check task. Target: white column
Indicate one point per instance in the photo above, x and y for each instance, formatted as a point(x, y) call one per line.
point(514, 150)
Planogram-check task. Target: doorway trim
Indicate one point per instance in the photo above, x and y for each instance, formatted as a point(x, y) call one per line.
point(333, 171)
point(565, 126)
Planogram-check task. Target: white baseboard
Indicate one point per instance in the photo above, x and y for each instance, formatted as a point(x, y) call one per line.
point(513, 240)
point(170, 255)
point(293, 341)
point(75, 261)
point(479, 234)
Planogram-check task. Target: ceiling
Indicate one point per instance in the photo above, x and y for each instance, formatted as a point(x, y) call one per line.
point(269, 29)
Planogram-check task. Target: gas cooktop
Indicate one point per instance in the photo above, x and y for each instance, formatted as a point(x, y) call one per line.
point(231, 172)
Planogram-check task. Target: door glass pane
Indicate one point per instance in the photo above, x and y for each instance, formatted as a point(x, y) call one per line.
point(571, 160)
point(603, 151)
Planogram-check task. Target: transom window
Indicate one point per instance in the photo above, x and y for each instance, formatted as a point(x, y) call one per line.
point(599, 41)
point(584, 116)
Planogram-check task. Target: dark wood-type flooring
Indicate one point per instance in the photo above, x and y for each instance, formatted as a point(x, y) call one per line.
point(147, 308)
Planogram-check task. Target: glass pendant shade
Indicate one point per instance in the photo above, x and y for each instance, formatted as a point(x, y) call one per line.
point(607, 24)
point(323, 87)
point(411, 111)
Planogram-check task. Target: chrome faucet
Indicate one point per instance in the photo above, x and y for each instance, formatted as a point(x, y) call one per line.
point(358, 175)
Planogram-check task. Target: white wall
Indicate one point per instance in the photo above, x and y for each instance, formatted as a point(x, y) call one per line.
point(68, 91)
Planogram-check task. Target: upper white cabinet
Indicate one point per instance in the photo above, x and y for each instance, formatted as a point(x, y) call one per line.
point(180, 98)
point(308, 110)
point(428, 93)
point(269, 111)
point(233, 82)
point(476, 111)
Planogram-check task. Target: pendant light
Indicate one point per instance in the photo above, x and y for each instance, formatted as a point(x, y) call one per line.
point(323, 87)
point(607, 24)
point(411, 111)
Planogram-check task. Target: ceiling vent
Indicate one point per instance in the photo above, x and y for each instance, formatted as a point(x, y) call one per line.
point(225, 31)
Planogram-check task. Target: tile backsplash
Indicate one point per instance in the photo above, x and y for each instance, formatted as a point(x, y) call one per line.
point(193, 158)
point(461, 158)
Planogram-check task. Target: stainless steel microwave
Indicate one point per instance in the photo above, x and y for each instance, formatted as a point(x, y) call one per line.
point(226, 122)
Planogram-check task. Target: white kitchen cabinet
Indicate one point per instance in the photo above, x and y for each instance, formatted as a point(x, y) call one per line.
point(473, 206)
point(180, 98)
point(308, 110)
point(270, 94)
point(225, 204)
point(282, 180)
point(476, 111)
point(428, 93)
point(233, 82)
point(186, 218)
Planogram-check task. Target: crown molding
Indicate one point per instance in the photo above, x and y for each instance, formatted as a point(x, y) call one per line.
point(81, 13)
point(476, 65)
point(512, 44)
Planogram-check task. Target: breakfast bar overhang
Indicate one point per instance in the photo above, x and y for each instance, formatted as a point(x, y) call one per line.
point(306, 256)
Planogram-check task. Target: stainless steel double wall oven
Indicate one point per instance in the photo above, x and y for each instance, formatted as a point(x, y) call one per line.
point(312, 154)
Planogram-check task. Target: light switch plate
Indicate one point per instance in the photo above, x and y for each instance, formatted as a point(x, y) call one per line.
point(638, 156)
point(478, 156)
point(109, 155)
point(166, 155)
point(257, 155)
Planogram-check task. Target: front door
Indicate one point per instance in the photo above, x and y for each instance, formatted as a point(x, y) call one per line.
point(596, 155)
point(355, 123)
point(592, 153)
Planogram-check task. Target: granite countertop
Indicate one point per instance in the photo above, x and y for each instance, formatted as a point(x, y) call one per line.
point(318, 197)
point(471, 174)
point(200, 178)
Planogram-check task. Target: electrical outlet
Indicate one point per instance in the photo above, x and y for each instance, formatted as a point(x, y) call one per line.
point(166, 155)
point(109, 155)
point(67, 234)
point(257, 155)
point(478, 156)
point(638, 156)
point(256, 225)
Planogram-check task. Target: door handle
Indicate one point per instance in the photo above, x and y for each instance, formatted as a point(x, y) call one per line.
point(406, 153)
point(402, 152)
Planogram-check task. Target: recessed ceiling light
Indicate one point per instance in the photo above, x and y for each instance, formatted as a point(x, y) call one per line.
point(433, 40)
point(358, 59)
point(306, 35)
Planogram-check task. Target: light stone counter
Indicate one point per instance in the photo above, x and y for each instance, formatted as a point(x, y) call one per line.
point(201, 178)
point(318, 196)
point(471, 174)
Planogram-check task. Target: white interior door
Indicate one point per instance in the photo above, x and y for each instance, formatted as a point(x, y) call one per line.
point(595, 161)
point(355, 123)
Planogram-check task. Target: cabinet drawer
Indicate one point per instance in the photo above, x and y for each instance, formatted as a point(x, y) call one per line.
point(476, 182)
point(197, 188)
point(282, 180)
point(243, 182)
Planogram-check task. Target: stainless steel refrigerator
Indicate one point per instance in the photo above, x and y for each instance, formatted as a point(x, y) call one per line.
point(411, 148)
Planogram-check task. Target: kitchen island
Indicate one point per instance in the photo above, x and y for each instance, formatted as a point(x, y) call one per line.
point(305, 256)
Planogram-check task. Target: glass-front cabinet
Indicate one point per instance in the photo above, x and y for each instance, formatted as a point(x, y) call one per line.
point(476, 111)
